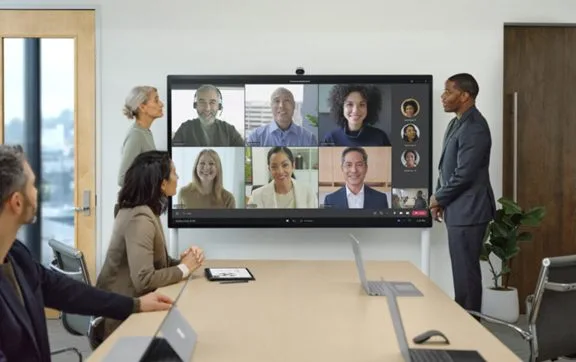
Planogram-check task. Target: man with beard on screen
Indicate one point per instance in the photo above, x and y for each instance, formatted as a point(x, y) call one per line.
point(27, 287)
point(207, 129)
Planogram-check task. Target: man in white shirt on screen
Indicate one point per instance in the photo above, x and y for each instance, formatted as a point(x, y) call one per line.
point(207, 130)
point(355, 194)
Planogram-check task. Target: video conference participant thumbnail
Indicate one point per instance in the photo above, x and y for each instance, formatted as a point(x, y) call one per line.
point(353, 116)
point(410, 133)
point(281, 115)
point(410, 159)
point(209, 178)
point(410, 108)
point(364, 172)
point(283, 178)
point(205, 111)
point(410, 198)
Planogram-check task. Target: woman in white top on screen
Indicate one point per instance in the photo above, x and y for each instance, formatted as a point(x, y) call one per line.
point(206, 190)
point(144, 105)
point(283, 192)
point(410, 159)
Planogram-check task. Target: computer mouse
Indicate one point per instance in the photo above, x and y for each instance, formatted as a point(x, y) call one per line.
point(423, 337)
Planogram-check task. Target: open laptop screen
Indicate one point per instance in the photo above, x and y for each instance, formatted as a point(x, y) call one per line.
point(163, 345)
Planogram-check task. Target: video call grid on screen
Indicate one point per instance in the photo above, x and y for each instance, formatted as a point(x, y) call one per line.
point(292, 151)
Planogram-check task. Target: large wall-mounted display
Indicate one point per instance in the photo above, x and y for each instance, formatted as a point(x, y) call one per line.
point(301, 151)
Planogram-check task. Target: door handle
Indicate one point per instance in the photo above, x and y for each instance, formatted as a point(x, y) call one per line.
point(85, 208)
point(515, 150)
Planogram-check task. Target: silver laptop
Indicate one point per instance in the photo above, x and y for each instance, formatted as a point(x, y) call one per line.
point(173, 341)
point(374, 287)
point(417, 354)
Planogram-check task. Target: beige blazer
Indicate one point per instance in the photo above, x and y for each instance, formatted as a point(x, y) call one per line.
point(265, 198)
point(137, 261)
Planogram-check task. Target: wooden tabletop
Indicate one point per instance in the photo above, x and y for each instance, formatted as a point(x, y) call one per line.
point(311, 311)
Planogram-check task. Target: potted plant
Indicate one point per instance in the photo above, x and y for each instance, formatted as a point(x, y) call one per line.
point(248, 166)
point(502, 239)
point(313, 120)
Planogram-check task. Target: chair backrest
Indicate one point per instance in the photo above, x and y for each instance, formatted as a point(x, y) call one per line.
point(70, 262)
point(552, 319)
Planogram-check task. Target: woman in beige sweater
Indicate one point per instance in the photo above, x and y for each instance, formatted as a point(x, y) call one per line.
point(144, 105)
point(137, 261)
point(206, 190)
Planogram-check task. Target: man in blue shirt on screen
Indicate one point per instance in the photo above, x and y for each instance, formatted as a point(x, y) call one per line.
point(282, 131)
point(355, 194)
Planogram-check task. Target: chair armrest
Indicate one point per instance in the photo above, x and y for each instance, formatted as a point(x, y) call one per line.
point(525, 334)
point(529, 303)
point(65, 350)
point(95, 332)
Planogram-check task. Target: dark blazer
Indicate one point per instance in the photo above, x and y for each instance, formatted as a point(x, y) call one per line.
point(23, 331)
point(466, 193)
point(372, 199)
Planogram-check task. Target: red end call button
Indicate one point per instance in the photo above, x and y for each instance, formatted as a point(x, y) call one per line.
point(419, 212)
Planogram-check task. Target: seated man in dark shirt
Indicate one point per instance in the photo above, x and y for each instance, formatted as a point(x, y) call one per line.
point(207, 129)
point(27, 287)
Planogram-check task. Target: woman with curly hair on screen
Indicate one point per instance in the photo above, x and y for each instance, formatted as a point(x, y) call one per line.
point(356, 108)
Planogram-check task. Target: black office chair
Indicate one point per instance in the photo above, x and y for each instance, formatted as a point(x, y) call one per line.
point(70, 262)
point(551, 311)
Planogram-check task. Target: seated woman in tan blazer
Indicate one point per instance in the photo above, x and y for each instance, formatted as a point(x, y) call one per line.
point(137, 261)
point(206, 190)
point(283, 192)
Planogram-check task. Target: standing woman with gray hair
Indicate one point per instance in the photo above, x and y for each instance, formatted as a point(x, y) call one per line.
point(144, 105)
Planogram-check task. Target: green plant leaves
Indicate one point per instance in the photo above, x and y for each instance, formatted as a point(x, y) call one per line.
point(524, 236)
point(499, 215)
point(516, 219)
point(499, 230)
point(312, 119)
point(503, 235)
point(509, 206)
point(534, 216)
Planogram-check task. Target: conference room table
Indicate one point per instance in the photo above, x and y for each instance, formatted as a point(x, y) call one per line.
point(311, 311)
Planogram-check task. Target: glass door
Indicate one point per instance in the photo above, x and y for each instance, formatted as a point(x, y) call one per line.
point(47, 104)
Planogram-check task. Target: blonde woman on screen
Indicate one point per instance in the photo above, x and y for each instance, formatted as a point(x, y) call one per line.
point(283, 192)
point(206, 190)
point(144, 106)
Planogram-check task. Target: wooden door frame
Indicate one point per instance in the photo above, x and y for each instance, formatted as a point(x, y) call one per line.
point(508, 151)
point(90, 130)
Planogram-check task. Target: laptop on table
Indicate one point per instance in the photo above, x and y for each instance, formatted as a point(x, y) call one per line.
point(375, 287)
point(418, 354)
point(173, 341)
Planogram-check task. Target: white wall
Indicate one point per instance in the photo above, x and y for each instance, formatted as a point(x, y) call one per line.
point(143, 41)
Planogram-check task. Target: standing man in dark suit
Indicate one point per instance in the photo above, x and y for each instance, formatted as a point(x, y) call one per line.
point(355, 194)
point(27, 287)
point(464, 196)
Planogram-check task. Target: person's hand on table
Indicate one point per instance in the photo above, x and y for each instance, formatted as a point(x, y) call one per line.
point(154, 302)
point(193, 258)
